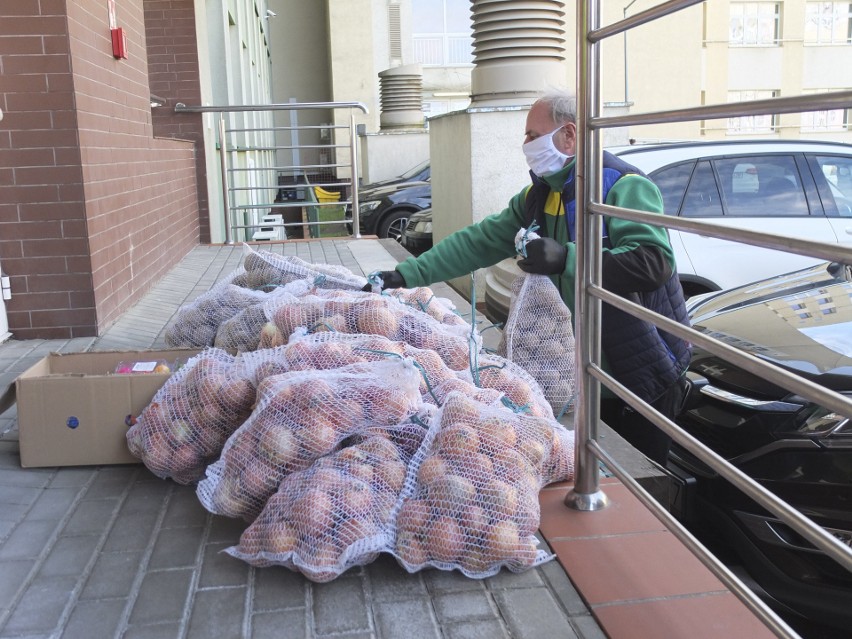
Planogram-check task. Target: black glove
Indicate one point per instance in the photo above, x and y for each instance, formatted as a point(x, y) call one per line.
point(545, 256)
point(390, 279)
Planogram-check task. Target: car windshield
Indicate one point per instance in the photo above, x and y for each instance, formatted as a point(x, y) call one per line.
point(410, 173)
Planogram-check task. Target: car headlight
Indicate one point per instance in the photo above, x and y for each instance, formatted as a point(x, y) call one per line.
point(423, 227)
point(824, 421)
point(368, 206)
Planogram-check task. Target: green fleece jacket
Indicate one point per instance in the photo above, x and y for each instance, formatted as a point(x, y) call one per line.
point(641, 257)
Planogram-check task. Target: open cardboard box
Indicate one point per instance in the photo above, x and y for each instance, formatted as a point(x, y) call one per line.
point(73, 409)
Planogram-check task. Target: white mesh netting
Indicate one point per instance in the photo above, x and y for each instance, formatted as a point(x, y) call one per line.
point(539, 338)
point(367, 313)
point(300, 417)
point(471, 496)
point(339, 512)
point(189, 419)
point(522, 392)
point(196, 323)
point(265, 270)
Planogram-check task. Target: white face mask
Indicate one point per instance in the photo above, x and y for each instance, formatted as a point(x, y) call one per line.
point(542, 155)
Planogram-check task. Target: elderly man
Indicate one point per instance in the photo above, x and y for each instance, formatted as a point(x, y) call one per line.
point(638, 264)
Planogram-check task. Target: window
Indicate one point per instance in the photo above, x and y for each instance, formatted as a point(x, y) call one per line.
point(762, 186)
point(702, 196)
point(672, 181)
point(751, 123)
point(754, 24)
point(836, 189)
point(831, 120)
point(828, 23)
point(443, 32)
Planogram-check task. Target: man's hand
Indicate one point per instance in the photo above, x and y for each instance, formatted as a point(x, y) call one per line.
point(390, 279)
point(545, 256)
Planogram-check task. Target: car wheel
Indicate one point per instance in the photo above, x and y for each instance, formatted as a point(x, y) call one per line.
point(394, 224)
point(693, 288)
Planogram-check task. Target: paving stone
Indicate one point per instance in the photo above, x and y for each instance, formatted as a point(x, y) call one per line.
point(111, 482)
point(94, 619)
point(217, 613)
point(91, 516)
point(176, 547)
point(478, 629)
point(340, 606)
point(112, 575)
point(157, 631)
point(19, 495)
point(41, 606)
point(508, 579)
point(226, 529)
point(220, 569)
point(278, 588)
point(130, 532)
point(72, 477)
point(587, 627)
point(391, 582)
point(184, 509)
point(456, 606)
point(533, 613)
point(145, 497)
point(162, 596)
point(13, 575)
point(411, 618)
point(282, 623)
point(28, 539)
point(23, 478)
point(53, 503)
point(439, 581)
point(69, 556)
point(564, 591)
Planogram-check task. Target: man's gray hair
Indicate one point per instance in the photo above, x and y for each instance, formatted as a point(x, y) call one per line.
point(563, 106)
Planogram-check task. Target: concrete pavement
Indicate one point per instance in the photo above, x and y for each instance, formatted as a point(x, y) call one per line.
point(113, 551)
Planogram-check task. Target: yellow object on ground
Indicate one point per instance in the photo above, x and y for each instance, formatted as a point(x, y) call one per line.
point(326, 196)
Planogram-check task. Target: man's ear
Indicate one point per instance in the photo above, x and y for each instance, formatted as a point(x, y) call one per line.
point(570, 138)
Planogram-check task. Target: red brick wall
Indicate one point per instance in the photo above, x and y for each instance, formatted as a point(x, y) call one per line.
point(173, 74)
point(93, 209)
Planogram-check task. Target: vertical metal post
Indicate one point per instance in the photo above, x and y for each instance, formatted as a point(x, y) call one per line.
point(353, 154)
point(223, 166)
point(586, 494)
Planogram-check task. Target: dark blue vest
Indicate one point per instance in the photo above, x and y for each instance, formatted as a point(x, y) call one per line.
point(644, 358)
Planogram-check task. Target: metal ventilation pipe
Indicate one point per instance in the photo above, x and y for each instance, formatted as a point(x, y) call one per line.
point(401, 91)
point(519, 49)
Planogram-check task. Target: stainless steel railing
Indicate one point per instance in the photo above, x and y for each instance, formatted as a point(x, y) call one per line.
point(587, 494)
point(252, 170)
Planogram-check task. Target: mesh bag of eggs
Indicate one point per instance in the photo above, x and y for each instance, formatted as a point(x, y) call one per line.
point(300, 417)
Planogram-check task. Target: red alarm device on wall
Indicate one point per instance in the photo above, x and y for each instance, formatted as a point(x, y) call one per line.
point(119, 43)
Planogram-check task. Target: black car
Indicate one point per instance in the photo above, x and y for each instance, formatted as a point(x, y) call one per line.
point(384, 207)
point(385, 212)
point(801, 321)
point(417, 235)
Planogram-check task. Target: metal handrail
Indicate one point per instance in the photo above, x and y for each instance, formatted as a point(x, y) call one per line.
point(590, 294)
point(225, 171)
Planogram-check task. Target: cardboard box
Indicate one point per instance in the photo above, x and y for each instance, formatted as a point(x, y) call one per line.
point(72, 407)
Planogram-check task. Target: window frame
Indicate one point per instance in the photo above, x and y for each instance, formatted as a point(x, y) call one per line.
point(745, 16)
point(834, 41)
